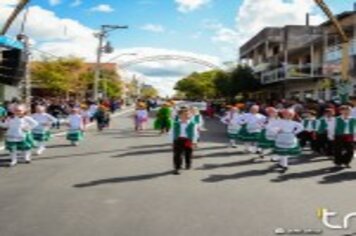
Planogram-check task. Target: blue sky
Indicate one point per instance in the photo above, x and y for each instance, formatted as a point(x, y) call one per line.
point(211, 30)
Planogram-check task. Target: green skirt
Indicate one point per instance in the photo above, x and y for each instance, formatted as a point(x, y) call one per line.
point(296, 151)
point(242, 133)
point(42, 137)
point(265, 143)
point(233, 135)
point(162, 123)
point(27, 144)
point(75, 136)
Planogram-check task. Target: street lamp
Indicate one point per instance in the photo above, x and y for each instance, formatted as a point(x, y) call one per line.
point(104, 31)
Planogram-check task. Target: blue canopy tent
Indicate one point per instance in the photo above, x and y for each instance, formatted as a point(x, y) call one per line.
point(8, 42)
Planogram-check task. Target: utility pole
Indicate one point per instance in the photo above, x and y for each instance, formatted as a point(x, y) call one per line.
point(102, 35)
point(26, 53)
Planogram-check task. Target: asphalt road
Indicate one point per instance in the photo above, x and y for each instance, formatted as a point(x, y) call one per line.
point(118, 183)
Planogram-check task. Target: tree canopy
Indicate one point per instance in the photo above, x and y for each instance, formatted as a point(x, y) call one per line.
point(72, 76)
point(218, 83)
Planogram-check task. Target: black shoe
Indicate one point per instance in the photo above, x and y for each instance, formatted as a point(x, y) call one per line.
point(188, 167)
point(283, 170)
point(176, 172)
point(348, 166)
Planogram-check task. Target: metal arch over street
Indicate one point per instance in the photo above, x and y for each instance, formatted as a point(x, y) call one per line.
point(168, 58)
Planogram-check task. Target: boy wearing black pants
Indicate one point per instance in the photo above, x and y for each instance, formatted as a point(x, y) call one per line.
point(185, 137)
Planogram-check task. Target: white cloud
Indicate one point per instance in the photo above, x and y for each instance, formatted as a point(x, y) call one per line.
point(102, 8)
point(153, 28)
point(76, 3)
point(254, 15)
point(163, 74)
point(54, 2)
point(59, 36)
point(9, 2)
point(190, 5)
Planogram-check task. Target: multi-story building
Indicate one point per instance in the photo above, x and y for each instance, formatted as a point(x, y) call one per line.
point(300, 61)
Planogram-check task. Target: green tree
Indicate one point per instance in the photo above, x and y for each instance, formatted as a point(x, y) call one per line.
point(197, 85)
point(243, 80)
point(148, 92)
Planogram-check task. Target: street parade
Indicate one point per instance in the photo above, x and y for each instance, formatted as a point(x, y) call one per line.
point(177, 117)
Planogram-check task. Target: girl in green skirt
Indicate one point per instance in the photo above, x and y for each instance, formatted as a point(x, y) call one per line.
point(18, 137)
point(287, 144)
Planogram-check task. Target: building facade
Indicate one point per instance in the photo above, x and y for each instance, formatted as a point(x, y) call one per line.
point(301, 61)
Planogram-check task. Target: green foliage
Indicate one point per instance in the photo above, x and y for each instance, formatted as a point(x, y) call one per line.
point(218, 83)
point(71, 76)
point(149, 92)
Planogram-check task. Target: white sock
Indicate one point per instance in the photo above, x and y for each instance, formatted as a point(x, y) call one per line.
point(27, 155)
point(232, 142)
point(13, 156)
point(283, 161)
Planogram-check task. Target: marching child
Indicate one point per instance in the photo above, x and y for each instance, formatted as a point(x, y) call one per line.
point(41, 133)
point(141, 117)
point(231, 121)
point(309, 133)
point(76, 127)
point(269, 133)
point(18, 138)
point(252, 127)
point(324, 146)
point(184, 135)
point(343, 133)
point(102, 117)
point(198, 120)
point(287, 144)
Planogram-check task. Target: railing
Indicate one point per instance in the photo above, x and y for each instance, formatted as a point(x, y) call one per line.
point(292, 72)
point(334, 53)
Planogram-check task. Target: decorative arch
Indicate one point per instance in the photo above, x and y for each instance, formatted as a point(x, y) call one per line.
point(169, 58)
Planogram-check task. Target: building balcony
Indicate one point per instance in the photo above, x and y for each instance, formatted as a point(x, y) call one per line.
point(292, 72)
point(335, 53)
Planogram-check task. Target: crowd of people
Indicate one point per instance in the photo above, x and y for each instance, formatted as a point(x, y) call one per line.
point(283, 129)
point(287, 129)
point(29, 128)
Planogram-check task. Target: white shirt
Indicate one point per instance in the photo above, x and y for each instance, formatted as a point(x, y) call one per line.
point(75, 122)
point(255, 122)
point(142, 114)
point(290, 126)
point(17, 128)
point(231, 118)
point(44, 121)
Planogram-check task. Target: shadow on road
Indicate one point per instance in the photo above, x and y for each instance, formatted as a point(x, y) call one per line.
point(306, 174)
point(241, 175)
point(143, 152)
point(338, 178)
point(122, 179)
point(77, 155)
point(219, 154)
point(232, 164)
